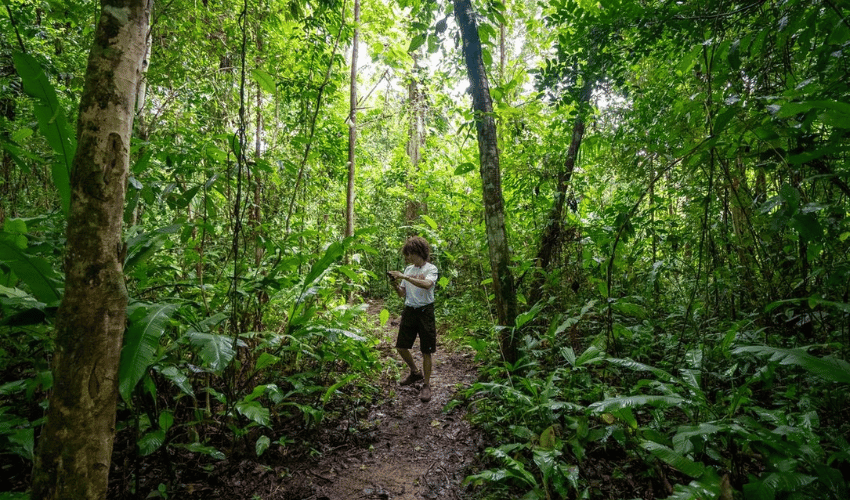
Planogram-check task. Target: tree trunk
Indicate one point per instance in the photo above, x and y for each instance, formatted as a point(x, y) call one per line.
point(552, 232)
point(494, 212)
point(415, 139)
point(75, 446)
point(352, 126)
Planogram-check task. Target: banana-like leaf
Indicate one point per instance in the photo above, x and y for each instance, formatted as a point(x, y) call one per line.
point(640, 367)
point(682, 438)
point(333, 334)
point(614, 404)
point(35, 271)
point(334, 252)
point(676, 460)
point(140, 346)
point(832, 369)
point(51, 122)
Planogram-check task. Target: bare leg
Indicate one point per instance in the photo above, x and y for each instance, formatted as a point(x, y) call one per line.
point(426, 367)
point(408, 358)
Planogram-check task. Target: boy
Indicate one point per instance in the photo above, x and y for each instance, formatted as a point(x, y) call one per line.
point(416, 285)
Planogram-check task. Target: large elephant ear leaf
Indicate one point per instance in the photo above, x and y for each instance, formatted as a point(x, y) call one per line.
point(140, 345)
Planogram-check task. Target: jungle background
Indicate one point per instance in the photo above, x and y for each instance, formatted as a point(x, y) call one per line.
point(675, 193)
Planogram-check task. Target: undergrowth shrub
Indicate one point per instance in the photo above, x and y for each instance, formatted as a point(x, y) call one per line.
point(721, 416)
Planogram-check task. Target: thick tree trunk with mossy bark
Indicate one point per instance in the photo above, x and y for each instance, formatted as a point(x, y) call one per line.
point(488, 150)
point(75, 446)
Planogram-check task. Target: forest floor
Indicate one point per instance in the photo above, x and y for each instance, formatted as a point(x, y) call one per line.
point(411, 450)
point(395, 448)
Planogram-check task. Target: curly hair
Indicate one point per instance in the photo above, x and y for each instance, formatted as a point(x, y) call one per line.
point(417, 245)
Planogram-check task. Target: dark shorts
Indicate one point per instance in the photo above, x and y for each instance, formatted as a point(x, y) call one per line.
point(418, 321)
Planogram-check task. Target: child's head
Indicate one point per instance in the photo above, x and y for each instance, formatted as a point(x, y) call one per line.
point(417, 245)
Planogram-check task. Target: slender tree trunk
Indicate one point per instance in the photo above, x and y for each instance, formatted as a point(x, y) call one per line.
point(352, 126)
point(75, 446)
point(488, 150)
point(502, 52)
point(552, 232)
point(415, 138)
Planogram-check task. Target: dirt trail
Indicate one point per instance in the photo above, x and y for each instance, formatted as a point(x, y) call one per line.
point(406, 450)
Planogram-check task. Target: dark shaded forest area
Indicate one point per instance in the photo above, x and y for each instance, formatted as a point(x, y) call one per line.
point(638, 209)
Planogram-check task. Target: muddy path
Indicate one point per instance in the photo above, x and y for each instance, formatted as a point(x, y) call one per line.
point(404, 449)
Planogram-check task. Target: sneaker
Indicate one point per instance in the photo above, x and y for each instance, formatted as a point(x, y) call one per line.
point(413, 377)
point(425, 395)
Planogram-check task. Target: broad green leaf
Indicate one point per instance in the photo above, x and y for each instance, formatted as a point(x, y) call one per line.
point(256, 393)
point(25, 439)
point(418, 41)
point(34, 271)
point(151, 442)
point(682, 438)
point(674, 459)
point(51, 122)
point(569, 354)
point(141, 342)
point(464, 168)
point(640, 367)
point(629, 309)
point(591, 355)
point(254, 411)
point(828, 368)
point(706, 486)
point(787, 481)
point(166, 420)
point(614, 404)
point(431, 222)
point(794, 108)
point(178, 378)
point(262, 445)
point(333, 253)
point(265, 360)
point(384, 316)
point(529, 315)
point(216, 350)
point(265, 80)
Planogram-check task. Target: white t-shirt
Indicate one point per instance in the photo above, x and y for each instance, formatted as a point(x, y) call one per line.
point(415, 296)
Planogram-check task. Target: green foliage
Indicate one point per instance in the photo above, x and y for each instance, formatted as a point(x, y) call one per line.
point(693, 319)
point(52, 123)
point(141, 342)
